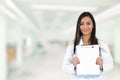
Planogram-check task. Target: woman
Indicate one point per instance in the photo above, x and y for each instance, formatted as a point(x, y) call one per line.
point(85, 35)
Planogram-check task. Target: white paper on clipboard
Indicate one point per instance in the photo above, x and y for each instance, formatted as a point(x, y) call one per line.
point(87, 56)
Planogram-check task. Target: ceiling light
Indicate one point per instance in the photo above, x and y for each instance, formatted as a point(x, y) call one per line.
point(63, 7)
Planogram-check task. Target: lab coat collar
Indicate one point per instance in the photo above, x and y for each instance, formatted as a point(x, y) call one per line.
point(81, 42)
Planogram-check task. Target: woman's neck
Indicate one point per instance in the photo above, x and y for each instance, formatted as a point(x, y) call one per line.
point(85, 39)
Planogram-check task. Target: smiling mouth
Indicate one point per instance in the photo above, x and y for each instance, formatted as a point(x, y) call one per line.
point(85, 30)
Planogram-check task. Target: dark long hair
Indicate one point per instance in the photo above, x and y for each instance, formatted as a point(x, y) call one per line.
point(78, 34)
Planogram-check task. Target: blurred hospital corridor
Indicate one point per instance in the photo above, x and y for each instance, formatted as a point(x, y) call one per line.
point(34, 35)
point(43, 66)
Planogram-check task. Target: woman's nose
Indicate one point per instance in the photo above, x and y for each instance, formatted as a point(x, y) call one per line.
point(85, 26)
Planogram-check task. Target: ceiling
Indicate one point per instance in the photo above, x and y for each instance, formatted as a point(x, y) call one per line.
point(58, 17)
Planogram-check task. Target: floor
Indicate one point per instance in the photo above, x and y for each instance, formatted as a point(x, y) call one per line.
point(48, 66)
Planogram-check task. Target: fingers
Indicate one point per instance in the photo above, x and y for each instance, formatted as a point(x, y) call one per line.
point(99, 61)
point(75, 61)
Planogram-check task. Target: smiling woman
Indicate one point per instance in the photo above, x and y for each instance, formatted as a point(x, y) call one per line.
point(86, 35)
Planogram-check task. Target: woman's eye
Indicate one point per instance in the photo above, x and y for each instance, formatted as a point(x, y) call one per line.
point(81, 23)
point(88, 23)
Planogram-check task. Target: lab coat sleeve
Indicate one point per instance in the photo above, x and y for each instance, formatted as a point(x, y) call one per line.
point(67, 61)
point(106, 56)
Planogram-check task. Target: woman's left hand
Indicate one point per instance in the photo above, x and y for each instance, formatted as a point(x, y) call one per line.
point(99, 62)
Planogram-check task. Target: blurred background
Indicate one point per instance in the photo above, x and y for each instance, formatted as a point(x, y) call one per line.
point(34, 35)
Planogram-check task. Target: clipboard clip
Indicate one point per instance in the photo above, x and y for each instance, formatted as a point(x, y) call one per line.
point(87, 46)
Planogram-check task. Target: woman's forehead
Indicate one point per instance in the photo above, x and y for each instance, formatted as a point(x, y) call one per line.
point(88, 19)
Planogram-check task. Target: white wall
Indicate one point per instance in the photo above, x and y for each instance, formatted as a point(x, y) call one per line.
point(3, 65)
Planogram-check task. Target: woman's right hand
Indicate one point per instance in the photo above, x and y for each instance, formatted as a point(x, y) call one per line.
point(75, 61)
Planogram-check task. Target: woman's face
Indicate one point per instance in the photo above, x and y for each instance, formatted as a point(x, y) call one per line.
point(86, 25)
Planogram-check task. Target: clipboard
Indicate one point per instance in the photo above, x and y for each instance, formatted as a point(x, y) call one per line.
point(87, 56)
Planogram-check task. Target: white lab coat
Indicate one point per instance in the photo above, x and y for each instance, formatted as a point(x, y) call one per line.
point(105, 53)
